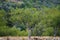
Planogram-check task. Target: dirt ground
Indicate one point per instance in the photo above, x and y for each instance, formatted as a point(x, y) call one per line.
point(32, 38)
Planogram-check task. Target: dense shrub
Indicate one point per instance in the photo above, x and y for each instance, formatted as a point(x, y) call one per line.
point(6, 31)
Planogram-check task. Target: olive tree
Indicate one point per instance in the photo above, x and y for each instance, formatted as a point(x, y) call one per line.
point(29, 17)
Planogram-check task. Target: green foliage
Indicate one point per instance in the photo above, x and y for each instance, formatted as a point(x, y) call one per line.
point(49, 20)
point(3, 30)
point(6, 31)
point(2, 21)
point(48, 31)
point(28, 15)
point(23, 33)
point(44, 21)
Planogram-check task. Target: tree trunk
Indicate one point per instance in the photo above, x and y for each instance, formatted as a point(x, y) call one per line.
point(29, 31)
point(55, 31)
point(29, 34)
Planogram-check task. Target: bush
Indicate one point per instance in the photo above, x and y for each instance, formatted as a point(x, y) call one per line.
point(6, 31)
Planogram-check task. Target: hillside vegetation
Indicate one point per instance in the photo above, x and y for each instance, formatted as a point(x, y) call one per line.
point(30, 17)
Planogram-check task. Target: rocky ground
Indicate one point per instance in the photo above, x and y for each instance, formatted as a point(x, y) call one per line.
point(32, 38)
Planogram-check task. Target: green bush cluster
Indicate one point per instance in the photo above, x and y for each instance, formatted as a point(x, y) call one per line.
point(6, 31)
